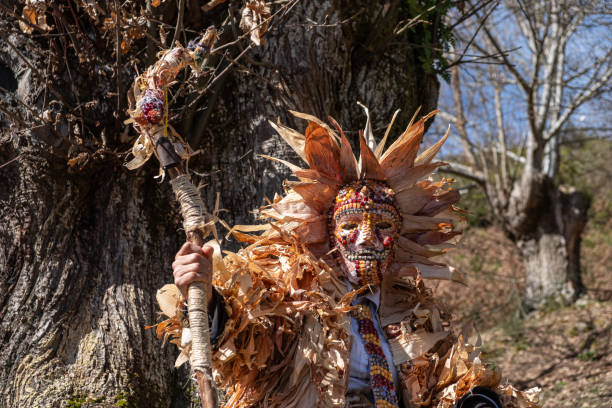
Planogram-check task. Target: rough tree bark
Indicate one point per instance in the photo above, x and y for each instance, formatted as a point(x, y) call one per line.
point(84, 244)
point(319, 70)
point(81, 258)
point(548, 233)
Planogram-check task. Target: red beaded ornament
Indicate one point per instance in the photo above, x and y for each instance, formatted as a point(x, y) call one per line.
point(152, 105)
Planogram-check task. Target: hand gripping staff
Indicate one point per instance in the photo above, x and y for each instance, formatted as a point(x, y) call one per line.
point(149, 116)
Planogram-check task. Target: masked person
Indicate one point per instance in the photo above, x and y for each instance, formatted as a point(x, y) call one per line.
point(326, 305)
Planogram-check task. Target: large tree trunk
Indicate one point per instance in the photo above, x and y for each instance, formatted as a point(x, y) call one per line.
point(574, 212)
point(549, 241)
point(81, 260)
point(84, 244)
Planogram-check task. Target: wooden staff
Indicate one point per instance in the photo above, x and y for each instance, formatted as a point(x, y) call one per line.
point(196, 227)
point(149, 114)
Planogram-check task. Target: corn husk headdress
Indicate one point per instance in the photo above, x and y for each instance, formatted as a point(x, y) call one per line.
point(429, 218)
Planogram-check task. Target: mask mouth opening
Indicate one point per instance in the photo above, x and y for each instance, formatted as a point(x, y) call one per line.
point(367, 254)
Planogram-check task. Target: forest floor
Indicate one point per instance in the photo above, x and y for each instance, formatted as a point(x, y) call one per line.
point(564, 350)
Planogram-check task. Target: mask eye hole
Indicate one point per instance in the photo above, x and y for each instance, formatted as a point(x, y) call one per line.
point(383, 225)
point(347, 226)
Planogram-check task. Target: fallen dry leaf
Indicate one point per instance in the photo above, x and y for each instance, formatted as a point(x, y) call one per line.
point(34, 13)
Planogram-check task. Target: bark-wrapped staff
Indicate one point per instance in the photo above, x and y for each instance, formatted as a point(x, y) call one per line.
point(149, 116)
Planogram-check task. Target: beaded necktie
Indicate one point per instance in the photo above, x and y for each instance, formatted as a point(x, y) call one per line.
point(381, 378)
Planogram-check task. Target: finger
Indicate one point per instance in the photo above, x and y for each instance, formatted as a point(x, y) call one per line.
point(187, 248)
point(184, 250)
point(182, 261)
point(189, 259)
point(207, 251)
point(203, 270)
point(188, 279)
point(195, 268)
point(188, 276)
point(184, 282)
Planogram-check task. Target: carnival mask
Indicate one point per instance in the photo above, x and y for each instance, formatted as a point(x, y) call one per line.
point(364, 225)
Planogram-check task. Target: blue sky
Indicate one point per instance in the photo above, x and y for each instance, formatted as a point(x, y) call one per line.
point(592, 40)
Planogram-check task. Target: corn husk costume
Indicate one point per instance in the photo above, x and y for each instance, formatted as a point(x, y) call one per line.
point(287, 340)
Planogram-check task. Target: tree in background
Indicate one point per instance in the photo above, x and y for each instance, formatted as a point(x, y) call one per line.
point(542, 65)
point(84, 245)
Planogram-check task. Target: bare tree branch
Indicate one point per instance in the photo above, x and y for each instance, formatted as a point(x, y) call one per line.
point(596, 83)
point(471, 40)
point(179, 23)
point(541, 84)
point(447, 116)
point(462, 170)
point(507, 63)
point(460, 121)
point(501, 138)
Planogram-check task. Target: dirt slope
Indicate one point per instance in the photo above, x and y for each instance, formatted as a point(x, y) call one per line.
point(564, 350)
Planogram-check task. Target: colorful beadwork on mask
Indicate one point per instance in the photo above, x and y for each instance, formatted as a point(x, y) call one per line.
point(364, 224)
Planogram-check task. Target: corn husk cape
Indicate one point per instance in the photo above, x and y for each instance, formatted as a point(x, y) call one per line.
point(287, 341)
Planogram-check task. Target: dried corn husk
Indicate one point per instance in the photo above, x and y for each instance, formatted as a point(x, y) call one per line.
point(34, 12)
point(287, 323)
point(287, 340)
point(255, 16)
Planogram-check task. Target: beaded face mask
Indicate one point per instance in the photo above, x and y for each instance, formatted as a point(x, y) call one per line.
point(364, 226)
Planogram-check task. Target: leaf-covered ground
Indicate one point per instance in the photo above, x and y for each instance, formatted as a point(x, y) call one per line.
point(564, 350)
